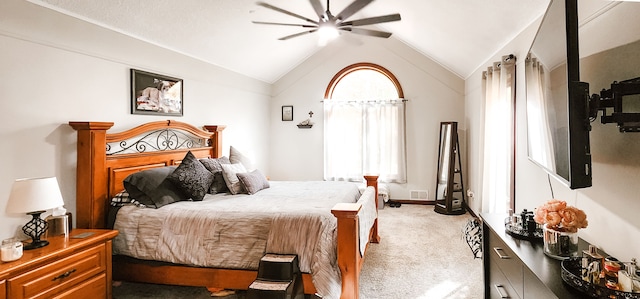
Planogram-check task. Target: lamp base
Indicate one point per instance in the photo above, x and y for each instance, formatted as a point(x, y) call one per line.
point(35, 244)
point(34, 229)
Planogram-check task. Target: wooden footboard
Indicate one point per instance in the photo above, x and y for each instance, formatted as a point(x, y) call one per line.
point(349, 258)
point(99, 177)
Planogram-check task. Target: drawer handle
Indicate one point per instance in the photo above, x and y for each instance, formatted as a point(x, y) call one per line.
point(501, 291)
point(500, 252)
point(64, 275)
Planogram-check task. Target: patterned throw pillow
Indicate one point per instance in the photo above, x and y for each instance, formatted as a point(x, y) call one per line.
point(214, 165)
point(123, 198)
point(192, 177)
point(253, 181)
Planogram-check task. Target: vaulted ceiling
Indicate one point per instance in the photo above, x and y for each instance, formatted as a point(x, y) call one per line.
point(458, 34)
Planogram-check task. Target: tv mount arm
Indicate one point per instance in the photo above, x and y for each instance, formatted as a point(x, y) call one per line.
point(612, 98)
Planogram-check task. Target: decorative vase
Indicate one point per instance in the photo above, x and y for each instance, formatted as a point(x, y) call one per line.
point(559, 244)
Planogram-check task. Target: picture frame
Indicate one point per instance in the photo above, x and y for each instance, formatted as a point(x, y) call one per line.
point(287, 113)
point(155, 94)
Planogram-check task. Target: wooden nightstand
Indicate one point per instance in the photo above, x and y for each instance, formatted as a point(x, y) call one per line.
point(66, 268)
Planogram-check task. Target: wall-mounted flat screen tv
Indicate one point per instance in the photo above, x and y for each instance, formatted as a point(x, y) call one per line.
point(557, 102)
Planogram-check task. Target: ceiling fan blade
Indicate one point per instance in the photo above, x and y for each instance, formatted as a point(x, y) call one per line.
point(317, 6)
point(373, 20)
point(286, 12)
point(297, 34)
point(354, 7)
point(284, 24)
point(368, 32)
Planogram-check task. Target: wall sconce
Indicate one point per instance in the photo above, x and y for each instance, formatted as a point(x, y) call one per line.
point(34, 196)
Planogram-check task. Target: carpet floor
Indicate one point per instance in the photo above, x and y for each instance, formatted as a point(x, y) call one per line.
point(422, 255)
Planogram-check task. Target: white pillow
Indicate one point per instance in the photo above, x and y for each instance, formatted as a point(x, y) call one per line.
point(229, 172)
point(235, 156)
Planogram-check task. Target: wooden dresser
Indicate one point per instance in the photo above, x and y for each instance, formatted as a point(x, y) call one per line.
point(516, 268)
point(66, 268)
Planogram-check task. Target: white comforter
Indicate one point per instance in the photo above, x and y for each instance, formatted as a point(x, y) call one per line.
point(234, 231)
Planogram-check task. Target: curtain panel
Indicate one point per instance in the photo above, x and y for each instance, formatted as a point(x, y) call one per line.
point(539, 130)
point(498, 136)
point(364, 137)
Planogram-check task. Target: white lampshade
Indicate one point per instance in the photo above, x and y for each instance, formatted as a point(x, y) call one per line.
point(36, 194)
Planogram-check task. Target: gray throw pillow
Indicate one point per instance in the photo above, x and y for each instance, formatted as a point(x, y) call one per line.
point(253, 181)
point(192, 177)
point(152, 188)
point(214, 165)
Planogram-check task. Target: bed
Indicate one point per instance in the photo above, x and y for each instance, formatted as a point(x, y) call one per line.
point(103, 164)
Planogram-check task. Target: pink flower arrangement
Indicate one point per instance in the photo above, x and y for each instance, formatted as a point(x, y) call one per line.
point(558, 216)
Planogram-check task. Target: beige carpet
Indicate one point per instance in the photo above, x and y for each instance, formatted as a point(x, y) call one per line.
point(422, 255)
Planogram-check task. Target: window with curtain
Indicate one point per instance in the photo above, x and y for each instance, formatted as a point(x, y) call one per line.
point(538, 123)
point(498, 135)
point(364, 125)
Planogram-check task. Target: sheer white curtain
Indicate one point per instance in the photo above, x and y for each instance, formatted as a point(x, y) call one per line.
point(364, 137)
point(497, 178)
point(538, 131)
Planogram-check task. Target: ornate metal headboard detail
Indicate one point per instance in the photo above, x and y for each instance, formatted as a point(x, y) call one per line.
point(105, 159)
point(156, 141)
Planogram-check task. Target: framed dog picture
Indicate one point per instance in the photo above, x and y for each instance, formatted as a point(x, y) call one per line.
point(155, 94)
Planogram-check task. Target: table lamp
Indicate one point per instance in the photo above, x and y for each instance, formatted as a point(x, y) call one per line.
point(34, 196)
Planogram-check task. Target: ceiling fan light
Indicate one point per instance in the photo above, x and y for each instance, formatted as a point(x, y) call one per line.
point(327, 33)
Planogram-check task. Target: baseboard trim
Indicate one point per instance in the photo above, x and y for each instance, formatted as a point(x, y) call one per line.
point(429, 202)
point(415, 202)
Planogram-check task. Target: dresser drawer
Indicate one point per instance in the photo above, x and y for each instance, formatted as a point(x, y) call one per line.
point(60, 276)
point(508, 263)
point(499, 286)
point(3, 289)
point(534, 288)
point(93, 288)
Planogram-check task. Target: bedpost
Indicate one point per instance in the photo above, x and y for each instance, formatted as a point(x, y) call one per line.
point(91, 181)
point(372, 180)
point(216, 139)
point(349, 260)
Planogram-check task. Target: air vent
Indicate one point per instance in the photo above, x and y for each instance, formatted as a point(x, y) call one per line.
point(419, 194)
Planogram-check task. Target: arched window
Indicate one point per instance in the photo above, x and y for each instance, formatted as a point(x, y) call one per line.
point(364, 121)
point(364, 81)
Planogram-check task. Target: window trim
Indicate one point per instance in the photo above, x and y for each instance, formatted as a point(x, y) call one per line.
point(328, 94)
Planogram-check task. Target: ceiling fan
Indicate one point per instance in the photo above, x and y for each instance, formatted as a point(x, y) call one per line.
point(326, 20)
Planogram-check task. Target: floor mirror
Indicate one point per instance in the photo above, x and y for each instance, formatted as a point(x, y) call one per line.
point(449, 185)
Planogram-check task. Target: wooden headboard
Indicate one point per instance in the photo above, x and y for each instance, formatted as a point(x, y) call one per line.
point(105, 159)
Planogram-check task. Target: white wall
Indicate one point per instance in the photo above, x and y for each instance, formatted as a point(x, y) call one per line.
point(55, 69)
point(434, 93)
point(474, 98)
point(612, 203)
point(615, 195)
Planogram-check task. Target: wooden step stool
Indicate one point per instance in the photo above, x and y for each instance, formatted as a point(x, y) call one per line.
point(279, 277)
